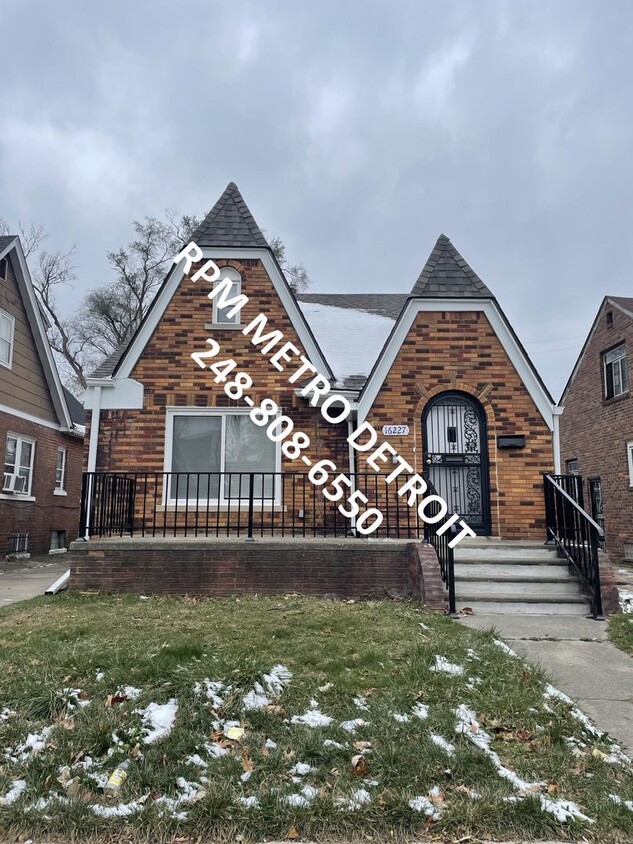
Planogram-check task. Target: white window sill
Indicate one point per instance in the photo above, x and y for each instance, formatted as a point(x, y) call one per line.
point(59, 492)
point(222, 325)
point(16, 497)
point(214, 508)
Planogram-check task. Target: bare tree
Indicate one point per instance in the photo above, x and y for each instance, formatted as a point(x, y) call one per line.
point(296, 274)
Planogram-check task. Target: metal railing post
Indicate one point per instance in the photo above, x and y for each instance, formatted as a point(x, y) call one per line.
point(251, 484)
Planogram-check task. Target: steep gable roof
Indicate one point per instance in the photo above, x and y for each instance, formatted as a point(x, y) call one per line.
point(11, 245)
point(230, 223)
point(446, 275)
point(624, 304)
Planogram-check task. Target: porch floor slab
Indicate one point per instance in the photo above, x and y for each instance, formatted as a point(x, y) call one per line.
point(580, 660)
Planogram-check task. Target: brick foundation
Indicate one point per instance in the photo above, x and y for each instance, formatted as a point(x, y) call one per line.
point(343, 568)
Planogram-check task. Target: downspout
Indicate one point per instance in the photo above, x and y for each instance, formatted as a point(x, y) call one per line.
point(352, 465)
point(556, 414)
point(92, 451)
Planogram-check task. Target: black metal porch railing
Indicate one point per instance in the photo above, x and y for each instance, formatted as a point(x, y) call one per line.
point(575, 533)
point(249, 505)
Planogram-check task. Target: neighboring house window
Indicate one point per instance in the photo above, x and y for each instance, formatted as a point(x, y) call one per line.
point(615, 372)
point(58, 539)
point(220, 315)
point(572, 466)
point(7, 326)
point(206, 447)
point(609, 319)
point(60, 470)
point(3, 269)
point(629, 451)
point(18, 465)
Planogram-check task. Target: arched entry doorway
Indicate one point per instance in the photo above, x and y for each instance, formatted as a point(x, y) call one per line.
point(456, 456)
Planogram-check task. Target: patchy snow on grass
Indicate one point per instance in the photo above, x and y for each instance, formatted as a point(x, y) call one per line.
point(620, 802)
point(120, 810)
point(312, 718)
point(249, 802)
point(215, 750)
point(352, 725)
point(159, 719)
point(214, 690)
point(256, 698)
point(307, 795)
point(33, 744)
point(506, 648)
point(359, 798)
point(550, 692)
point(440, 741)
point(555, 694)
point(331, 743)
point(563, 810)
point(361, 703)
point(421, 711)
point(301, 769)
point(270, 744)
point(402, 718)
point(423, 625)
point(626, 600)
point(17, 788)
point(278, 677)
point(196, 760)
point(446, 667)
point(423, 804)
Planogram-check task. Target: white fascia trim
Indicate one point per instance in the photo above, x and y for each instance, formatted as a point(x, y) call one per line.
point(41, 341)
point(175, 277)
point(499, 326)
point(118, 394)
point(28, 417)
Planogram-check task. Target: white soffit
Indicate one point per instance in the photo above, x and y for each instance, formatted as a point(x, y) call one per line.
point(499, 326)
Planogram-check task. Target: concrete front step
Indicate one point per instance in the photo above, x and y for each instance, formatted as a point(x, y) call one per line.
point(504, 607)
point(519, 591)
point(497, 572)
point(516, 556)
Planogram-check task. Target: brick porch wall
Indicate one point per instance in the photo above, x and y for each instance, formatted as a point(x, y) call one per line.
point(216, 568)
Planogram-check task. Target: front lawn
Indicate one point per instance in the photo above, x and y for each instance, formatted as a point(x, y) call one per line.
point(277, 718)
point(621, 631)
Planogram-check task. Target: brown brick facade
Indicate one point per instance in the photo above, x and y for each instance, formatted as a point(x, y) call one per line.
point(49, 511)
point(594, 430)
point(343, 569)
point(447, 351)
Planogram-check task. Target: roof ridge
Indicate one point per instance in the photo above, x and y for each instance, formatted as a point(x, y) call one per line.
point(230, 223)
point(447, 274)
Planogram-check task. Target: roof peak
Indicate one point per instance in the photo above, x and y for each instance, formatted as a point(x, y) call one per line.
point(230, 223)
point(447, 274)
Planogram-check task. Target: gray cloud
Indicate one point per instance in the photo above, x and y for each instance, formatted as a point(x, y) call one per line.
point(356, 130)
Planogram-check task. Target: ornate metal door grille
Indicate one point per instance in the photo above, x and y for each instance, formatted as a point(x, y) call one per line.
point(456, 456)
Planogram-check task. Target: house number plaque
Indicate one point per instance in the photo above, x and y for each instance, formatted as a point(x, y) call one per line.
point(395, 430)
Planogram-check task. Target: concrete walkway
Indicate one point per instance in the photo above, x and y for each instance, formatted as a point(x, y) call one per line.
point(20, 584)
point(580, 660)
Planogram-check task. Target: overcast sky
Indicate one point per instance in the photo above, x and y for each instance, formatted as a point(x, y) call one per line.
point(357, 131)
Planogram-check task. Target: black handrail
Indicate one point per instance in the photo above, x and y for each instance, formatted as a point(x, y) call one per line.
point(440, 538)
point(576, 534)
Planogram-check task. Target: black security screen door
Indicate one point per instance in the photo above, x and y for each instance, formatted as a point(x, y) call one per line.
point(456, 456)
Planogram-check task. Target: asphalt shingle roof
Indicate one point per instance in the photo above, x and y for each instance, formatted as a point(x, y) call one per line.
point(107, 366)
point(625, 302)
point(447, 275)
point(75, 408)
point(5, 240)
point(382, 304)
point(230, 223)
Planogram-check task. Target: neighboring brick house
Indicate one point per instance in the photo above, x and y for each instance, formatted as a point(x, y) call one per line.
point(597, 424)
point(41, 424)
point(440, 367)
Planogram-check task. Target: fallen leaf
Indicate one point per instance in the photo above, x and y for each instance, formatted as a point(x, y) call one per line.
point(234, 733)
point(116, 698)
point(362, 745)
point(326, 688)
point(292, 834)
point(359, 765)
point(553, 788)
point(247, 762)
point(289, 755)
point(466, 611)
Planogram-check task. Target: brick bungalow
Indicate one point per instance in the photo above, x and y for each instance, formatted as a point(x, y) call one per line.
point(439, 367)
point(597, 424)
point(41, 423)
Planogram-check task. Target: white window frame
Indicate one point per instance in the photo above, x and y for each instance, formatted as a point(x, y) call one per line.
point(171, 414)
point(629, 452)
point(11, 341)
point(6, 491)
point(236, 288)
point(612, 363)
point(60, 483)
